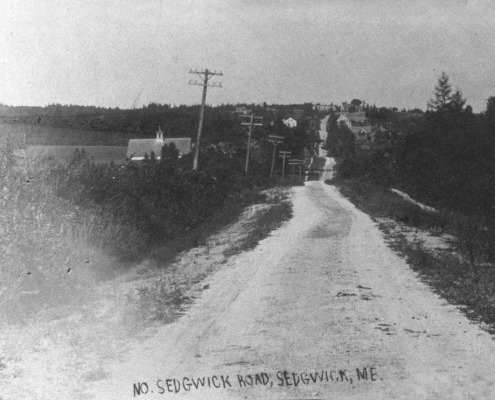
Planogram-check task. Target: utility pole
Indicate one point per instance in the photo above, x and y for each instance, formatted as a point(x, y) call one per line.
point(250, 124)
point(284, 155)
point(275, 140)
point(296, 162)
point(205, 76)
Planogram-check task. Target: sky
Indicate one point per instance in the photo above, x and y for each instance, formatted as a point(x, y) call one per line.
point(120, 53)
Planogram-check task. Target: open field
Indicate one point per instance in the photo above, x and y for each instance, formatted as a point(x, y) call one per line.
point(49, 135)
point(60, 143)
point(100, 154)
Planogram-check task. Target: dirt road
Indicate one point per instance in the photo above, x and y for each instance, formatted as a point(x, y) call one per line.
point(323, 135)
point(322, 309)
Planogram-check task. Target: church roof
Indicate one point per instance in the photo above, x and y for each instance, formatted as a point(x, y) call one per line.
point(137, 148)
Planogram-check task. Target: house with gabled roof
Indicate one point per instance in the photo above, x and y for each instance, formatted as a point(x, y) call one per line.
point(242, 110)
point(362, 132)
point(290, 122)
point(137, 149)
point(342, 119)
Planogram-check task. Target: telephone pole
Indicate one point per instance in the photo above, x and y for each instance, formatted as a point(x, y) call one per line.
point(250, 124)
point(296, 162)
point(275, 140)
point(284, 155)
point(205, 76)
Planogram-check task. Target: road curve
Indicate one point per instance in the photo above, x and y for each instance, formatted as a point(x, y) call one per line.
point(321, 309)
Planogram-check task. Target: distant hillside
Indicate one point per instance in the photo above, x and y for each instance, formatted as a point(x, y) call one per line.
point(79, 125)
point(48, 135)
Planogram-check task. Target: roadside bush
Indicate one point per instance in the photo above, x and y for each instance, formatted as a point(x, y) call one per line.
point(377, 167)
point(162, 200)
point(63, 226)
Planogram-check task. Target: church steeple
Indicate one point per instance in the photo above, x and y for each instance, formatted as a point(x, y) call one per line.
point(159, 134)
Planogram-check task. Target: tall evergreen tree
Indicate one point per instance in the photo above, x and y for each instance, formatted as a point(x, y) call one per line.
point(442, 94)
point(446, 111)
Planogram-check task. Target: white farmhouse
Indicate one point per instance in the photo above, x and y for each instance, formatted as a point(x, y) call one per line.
point(342, 119)
point(290, 122)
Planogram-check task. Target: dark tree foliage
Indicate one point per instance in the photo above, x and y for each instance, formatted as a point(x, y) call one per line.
point(488, 121)
point(442, 94)
point(170, 154)
point(340, 140)
point(296, 139)
point(446, 159)
point(162, 199)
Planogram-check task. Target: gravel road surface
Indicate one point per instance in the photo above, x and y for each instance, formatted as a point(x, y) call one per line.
point(321, 309)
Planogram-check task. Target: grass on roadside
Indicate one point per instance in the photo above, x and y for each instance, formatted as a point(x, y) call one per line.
point(163, 300)
point(381, 203)
point(469, 285)
point(468, 281)
point(278, 211)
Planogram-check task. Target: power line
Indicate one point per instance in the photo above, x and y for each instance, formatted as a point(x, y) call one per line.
point(251, 123)
point(205, 77)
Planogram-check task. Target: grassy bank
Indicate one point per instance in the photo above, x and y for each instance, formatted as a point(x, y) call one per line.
point(70, 345)
point(465, 276)
point(163, 299)
point(65, 228)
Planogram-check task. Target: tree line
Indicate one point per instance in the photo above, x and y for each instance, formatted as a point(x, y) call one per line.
point(445, 158)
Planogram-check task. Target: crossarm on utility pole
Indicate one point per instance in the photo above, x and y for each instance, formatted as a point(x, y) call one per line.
point(250, 124)
point(275, 140)
point(205, 76)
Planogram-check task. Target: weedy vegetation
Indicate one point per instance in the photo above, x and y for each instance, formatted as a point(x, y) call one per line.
point(466, 275)
point(278, 210)
point(68, 226)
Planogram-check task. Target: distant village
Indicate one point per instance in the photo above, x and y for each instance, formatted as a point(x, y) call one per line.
point(141, 129)
point(370, 126)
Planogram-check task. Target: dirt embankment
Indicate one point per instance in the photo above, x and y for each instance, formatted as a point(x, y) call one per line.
point(63, 350)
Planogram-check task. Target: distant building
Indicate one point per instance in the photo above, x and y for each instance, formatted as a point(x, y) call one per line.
point(323, 107)
point(358, 116)
point(290, 122)
point(362, 133)
point(138, 148)
point(342, 119)
point(241, 110)
point(356, 121)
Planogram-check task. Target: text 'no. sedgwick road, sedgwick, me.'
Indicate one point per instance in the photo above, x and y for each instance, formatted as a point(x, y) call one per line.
point(261, 379)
